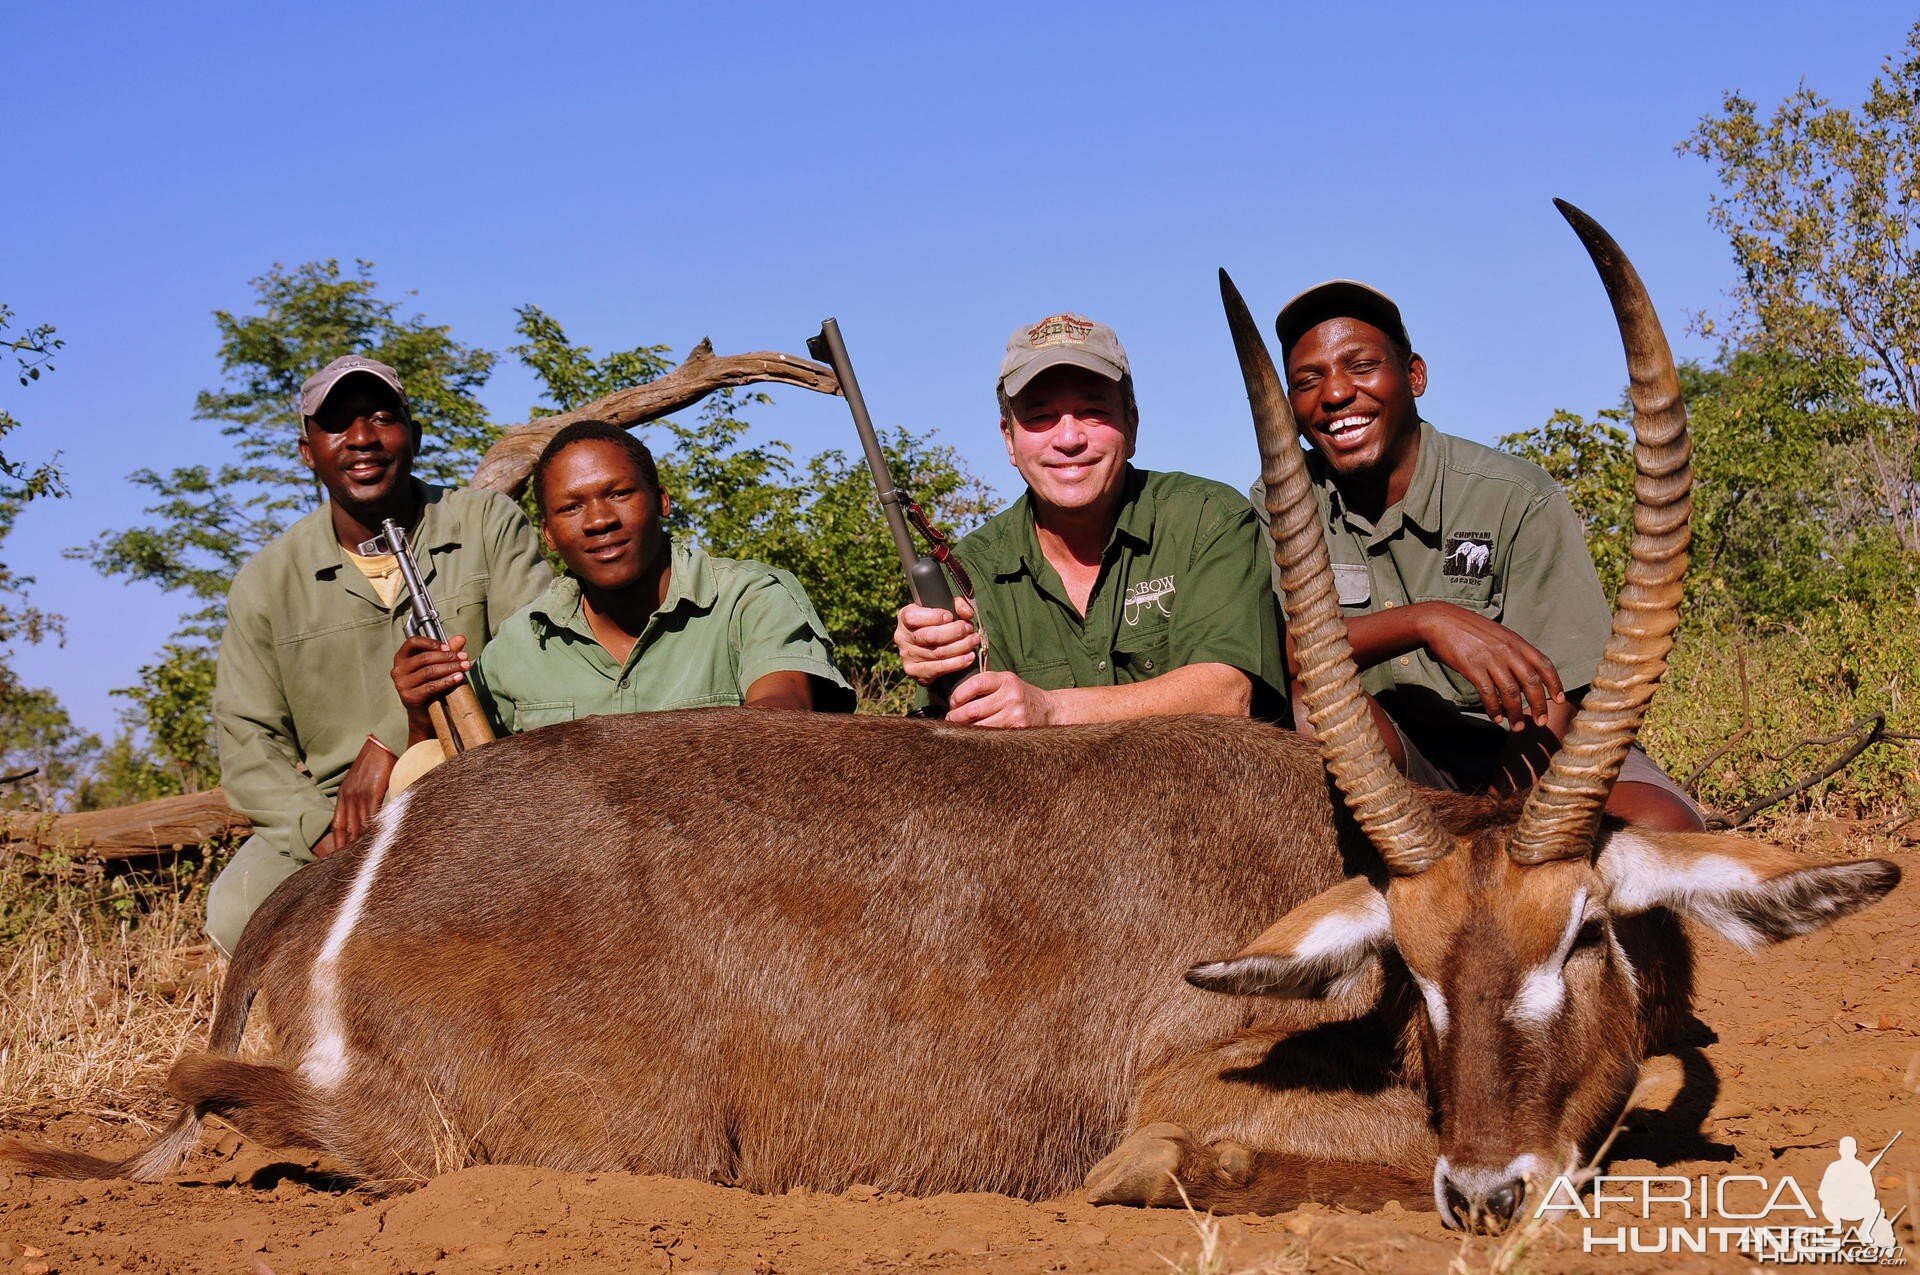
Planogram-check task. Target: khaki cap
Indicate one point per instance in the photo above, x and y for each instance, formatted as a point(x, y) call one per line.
point(1339, 299)
point(1071, 339)
point(314, 392)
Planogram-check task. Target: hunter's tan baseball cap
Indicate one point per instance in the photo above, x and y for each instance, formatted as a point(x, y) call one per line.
point(1339, 299)
point(1060, 338)
point(314, 392)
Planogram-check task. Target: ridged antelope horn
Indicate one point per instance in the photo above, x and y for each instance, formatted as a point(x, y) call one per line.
point(1401, 824)
point(1563, 812)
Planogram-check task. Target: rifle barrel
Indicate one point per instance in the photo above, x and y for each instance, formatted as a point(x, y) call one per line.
point(870, 443)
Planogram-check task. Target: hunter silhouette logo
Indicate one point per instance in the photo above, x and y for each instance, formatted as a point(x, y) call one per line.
point(1469, 555)
point(1770, 1220)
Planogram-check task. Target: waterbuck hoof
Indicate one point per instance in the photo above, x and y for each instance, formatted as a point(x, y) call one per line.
point(1143, 1168)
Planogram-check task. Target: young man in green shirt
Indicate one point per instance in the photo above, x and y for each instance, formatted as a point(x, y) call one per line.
point(1472, 605)
point(638, 623)
point(307, 726)
point(1105, 592)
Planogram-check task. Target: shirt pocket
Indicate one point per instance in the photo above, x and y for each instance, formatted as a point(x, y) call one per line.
point(528, 717)
point(1142, 653)
point(1048, 675)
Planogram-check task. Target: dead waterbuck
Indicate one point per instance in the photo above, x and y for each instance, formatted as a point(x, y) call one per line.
point(778, 949)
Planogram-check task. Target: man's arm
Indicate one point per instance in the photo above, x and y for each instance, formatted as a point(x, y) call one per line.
point(517, 572)
point(786, 689)
point(259, 762)
point(781, 648)
point(1516, 681)
point(1003, 699)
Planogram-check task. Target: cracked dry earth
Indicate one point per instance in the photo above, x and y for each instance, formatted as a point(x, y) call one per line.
point(1807, 1042)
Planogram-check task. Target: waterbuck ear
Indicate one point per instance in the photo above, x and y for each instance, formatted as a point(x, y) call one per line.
point(1317, 949)
point(1753, 894)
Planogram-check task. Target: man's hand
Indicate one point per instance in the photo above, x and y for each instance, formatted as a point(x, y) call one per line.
point(361, 793)
point(1000, 699)
point(423, 671)
point(1515, 679)
point(933, 643)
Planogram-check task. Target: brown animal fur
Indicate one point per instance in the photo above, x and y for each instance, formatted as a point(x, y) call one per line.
point(645, 958)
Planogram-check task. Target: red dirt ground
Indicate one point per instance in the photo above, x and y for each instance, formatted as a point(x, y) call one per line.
point(1815, 1040)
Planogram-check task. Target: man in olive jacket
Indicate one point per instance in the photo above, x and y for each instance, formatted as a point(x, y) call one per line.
point(308, 722)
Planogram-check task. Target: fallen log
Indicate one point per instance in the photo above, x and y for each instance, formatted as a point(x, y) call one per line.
point(508, 462)
point(128, 832)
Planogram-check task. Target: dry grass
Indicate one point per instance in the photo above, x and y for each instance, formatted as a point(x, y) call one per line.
point(102, 984)
point(1213, 1251)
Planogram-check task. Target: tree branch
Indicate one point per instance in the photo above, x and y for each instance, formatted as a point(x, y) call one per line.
point(1865, 732)
point(508, 462)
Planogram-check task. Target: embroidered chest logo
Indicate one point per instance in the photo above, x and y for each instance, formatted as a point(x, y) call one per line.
point(1148, 593)
point(1469, 556)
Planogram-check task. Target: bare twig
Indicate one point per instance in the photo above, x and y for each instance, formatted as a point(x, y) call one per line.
point(28, 773)
point(1865, 733)
point(508, 462)
point(1746, 724)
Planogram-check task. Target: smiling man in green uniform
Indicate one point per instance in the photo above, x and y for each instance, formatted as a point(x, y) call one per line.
point(1105, 592)
point(308, 728)
point(639, 622)
point(1472, 605)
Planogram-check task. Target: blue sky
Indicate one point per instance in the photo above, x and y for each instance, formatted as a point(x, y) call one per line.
point(930, 175)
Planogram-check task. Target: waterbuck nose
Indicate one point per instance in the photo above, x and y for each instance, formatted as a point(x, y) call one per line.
point(1481, 1202)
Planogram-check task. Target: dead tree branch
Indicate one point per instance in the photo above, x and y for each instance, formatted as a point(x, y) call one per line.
point(1692, 783)
point(508, 462)
point(1863, 733)
point(127, 832)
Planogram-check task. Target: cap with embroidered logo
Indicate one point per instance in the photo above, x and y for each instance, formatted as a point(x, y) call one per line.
point(316, 388)
point(1070, 339)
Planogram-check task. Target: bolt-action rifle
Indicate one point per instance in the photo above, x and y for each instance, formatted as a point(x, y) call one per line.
point(926, 577)
point(459, 723)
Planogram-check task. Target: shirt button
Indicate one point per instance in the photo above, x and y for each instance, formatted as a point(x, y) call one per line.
point(1147, 664)
point(1101, 664)
point(623, 681)
point(1405, 659)
point(1389, 602)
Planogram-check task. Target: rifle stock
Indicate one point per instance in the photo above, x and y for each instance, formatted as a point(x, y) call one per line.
point(459, 723)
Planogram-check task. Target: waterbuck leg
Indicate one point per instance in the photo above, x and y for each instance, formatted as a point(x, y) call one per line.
point(1160, 1166)
point(1267, 1119)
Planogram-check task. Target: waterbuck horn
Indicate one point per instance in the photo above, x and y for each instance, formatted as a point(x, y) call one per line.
point(1563, 811)
point(1400, 823)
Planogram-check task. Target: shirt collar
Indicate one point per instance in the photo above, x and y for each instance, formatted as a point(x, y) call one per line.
point(690, 584)
point(1420, 506)
point(320, 554)
point(1134, 524)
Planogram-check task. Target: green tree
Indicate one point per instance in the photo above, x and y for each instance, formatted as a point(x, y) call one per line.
point(36, 734)
point(22, 483)
point(571, 375)
point(1778, 521)
point(1819, 204)
point(205, 521)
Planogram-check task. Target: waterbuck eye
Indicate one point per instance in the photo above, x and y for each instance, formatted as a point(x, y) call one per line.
point(1592, 934)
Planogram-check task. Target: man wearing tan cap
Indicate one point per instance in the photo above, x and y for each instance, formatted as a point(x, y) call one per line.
point(1472, 605)
point(1105, 592)
point(308, 722)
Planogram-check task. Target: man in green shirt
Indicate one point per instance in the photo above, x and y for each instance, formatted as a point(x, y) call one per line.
point(638, 623)
point(307, 727)
point(1105, 592)
point(1472, 605)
